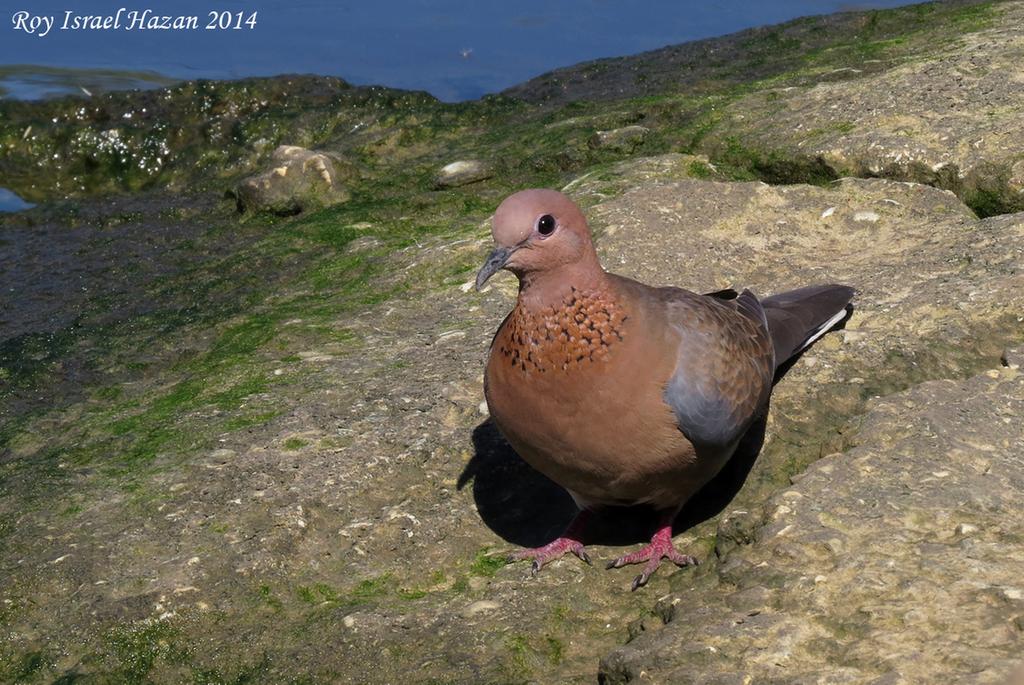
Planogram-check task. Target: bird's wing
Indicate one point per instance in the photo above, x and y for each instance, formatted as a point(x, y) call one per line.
point(724, 365)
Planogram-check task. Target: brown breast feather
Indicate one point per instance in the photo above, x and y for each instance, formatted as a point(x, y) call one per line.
point(577, 390)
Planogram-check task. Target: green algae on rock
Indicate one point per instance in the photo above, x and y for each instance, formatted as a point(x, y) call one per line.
point(191, 134)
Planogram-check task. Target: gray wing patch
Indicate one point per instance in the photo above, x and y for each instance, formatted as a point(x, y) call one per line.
point(704, 416)
point(723, 374)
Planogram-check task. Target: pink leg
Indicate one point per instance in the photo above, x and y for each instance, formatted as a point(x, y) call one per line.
point(570, 541)
point(659, 548)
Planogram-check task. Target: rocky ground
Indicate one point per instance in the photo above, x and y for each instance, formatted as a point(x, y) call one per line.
point(240, 447)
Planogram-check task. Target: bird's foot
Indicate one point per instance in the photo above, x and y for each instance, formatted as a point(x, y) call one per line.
point(569, 541)
point(551, 551)
point(659, 548)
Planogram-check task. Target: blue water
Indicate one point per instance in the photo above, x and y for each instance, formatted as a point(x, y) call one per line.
point(456, 50)
point(9, 202)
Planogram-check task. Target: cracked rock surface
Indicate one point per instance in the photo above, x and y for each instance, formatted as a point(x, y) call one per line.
point(897, 561)
point(953, 119)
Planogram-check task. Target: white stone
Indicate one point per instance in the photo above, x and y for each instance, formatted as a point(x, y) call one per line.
point(480, 607)
point(866, 216)
point(966, 529)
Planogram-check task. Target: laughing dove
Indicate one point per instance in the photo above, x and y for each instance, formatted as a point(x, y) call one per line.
point(620, 392)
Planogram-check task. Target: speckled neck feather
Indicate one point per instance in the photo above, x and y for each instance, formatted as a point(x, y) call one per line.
point(579, 330)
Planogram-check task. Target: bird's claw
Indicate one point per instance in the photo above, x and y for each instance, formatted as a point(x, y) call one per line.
point(659, 548)
point(550, 552)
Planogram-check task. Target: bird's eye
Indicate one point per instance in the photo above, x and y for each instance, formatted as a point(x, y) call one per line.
point(546, 225)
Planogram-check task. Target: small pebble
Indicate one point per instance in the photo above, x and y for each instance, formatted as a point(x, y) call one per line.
point(480, 607)
point(450, 335)
point(866, 216)
point(966, 529)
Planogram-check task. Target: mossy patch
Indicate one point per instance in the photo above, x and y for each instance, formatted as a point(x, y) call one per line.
point(295, 443)
point(266, 596)
point(989, 193)
point(366, 591)
point(487, 563)
point(698, 169)
point(740, 161)
point(132, 651)
point(29, 665)
point(370, 589)
point(532, 654)
point(316, 593)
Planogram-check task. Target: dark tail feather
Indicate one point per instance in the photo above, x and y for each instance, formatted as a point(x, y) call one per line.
point(799, 317)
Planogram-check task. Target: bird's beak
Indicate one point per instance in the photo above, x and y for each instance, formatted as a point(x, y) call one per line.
point(495, 261)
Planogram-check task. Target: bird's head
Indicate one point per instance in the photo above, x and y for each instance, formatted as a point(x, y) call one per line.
point(538, 231)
